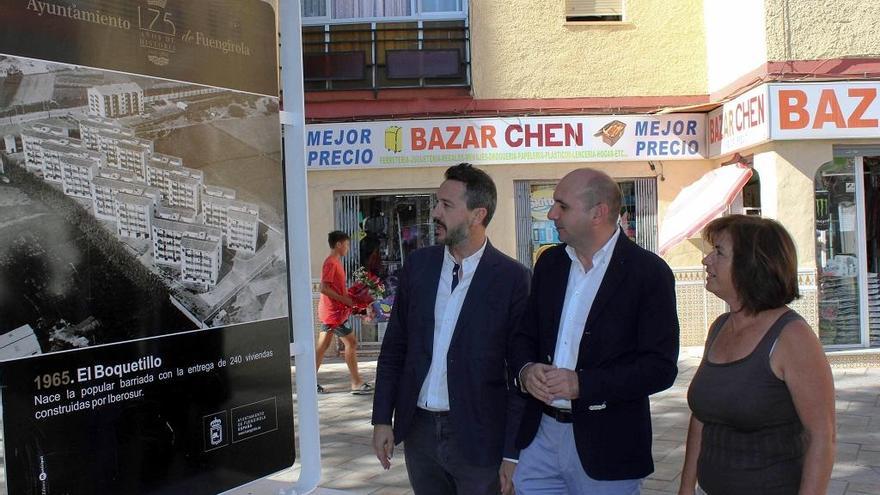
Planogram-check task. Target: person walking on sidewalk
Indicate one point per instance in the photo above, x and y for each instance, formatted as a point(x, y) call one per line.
point(599, 335)
point(334, 308)
point(441, 374)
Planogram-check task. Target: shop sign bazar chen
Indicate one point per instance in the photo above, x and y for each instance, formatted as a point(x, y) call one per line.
point(420, 143)
point(795, 111)
point(781, 111)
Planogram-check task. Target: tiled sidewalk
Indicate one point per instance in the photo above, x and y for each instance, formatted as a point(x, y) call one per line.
point(351, 467)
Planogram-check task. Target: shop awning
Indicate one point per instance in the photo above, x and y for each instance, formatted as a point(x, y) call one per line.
point(699, 203)
point(699, 107)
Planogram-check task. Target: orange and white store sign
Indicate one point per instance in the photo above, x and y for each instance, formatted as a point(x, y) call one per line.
point(825, 110)
point(787, 111)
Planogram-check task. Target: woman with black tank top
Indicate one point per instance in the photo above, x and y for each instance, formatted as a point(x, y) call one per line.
point(762, 400)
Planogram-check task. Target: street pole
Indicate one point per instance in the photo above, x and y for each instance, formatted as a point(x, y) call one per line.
point(299, 261)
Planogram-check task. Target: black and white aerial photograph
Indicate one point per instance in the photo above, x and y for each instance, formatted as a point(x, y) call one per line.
point(133, 207)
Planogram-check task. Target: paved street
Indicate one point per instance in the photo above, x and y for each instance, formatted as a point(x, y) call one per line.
point(350, 467)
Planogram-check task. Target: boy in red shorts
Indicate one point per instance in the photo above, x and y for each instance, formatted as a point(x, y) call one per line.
point(334, 308)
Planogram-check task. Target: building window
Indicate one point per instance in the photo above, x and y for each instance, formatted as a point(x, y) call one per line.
point(440, 6)
point(594, 10)
point(346, 10)
point(847, 212)
point(314, 8)
point(428, 53)
point(360, 9)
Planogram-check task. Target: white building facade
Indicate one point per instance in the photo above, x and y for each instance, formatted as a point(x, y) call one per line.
point(116, 100)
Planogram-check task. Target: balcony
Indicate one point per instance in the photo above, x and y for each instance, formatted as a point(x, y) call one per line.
point(382, 55)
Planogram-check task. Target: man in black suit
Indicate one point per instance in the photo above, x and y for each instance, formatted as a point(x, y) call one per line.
point(442, 373)
point(599, 335)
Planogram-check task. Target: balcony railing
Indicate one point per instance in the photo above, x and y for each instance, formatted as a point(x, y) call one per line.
point(417, 54)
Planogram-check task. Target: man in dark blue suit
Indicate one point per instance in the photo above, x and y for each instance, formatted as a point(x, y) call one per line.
point(599, 335)
point(442, 373)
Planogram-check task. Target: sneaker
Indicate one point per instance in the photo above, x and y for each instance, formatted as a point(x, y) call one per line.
point(364, 389)
point(320, 389)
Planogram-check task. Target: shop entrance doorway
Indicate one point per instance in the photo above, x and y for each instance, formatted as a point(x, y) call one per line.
point(384, 228)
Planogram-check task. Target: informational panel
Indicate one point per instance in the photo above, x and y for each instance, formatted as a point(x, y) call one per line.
point(144, 328)
point(197, 41)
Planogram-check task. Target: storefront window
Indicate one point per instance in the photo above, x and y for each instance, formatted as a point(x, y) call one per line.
point(872, 237)
point(385, 229)
point(638, 216)
point(848, 251)
point(544, 233)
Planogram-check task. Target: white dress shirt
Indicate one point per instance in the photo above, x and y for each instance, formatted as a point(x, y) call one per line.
point(579, 295)
point(434, 395)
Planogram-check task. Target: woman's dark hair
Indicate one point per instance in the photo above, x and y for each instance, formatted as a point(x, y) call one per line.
point(336, 236)
point(764, 263)
point(479, 188)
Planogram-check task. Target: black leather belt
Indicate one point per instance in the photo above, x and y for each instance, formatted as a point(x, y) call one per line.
point(560, 415)
point(436, 414)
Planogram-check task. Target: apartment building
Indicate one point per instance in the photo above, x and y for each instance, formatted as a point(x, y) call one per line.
point(53, 155)
point(146, 195)
point(107, 185)
point(201, 262)
point(242, 229)
point(239, 220)
point(134, 215)
point(90, 128)
point(180, 186)
point(77, 175)
point(167, 235)
point(116, 100)
point(177, 214)
point(33, 137)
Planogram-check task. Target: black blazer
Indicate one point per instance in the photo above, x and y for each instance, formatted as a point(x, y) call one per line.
point(629, 351)
point(484, 408)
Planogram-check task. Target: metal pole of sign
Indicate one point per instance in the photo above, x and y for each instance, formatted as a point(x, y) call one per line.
point(299, 263)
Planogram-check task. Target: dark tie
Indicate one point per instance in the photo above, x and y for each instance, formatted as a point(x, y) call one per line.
point(455, 268)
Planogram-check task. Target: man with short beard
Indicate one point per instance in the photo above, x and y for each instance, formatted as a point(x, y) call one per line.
point(441, 375)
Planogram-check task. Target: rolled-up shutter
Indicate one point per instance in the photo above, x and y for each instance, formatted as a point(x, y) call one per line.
point(347, 207)
point(522, 194)
point(593, 8)
point(646, 213)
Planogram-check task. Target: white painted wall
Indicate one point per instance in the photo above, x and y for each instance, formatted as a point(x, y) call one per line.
point(736, 40)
